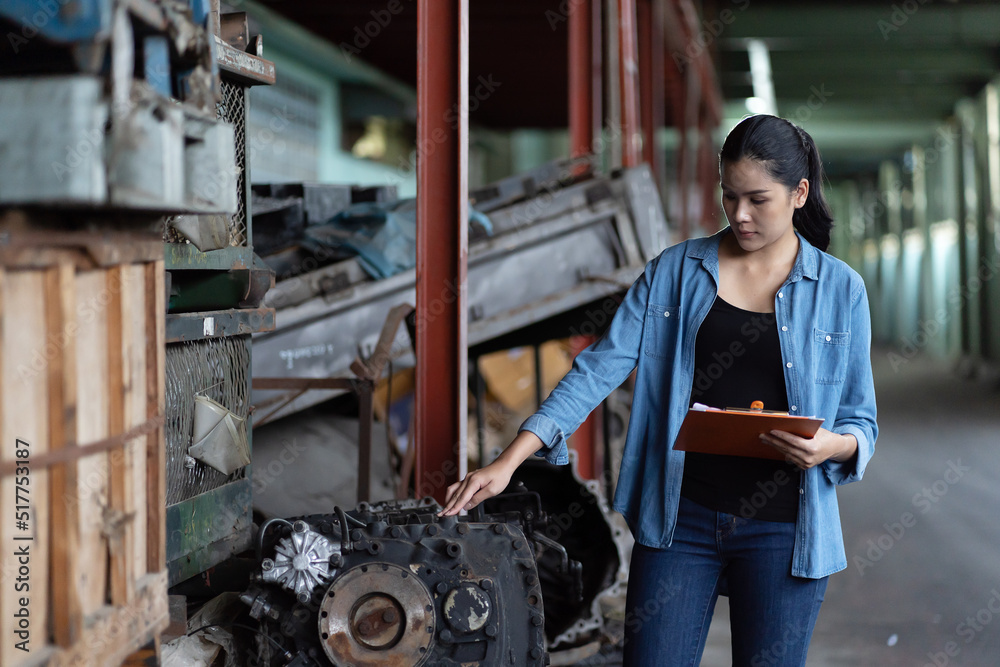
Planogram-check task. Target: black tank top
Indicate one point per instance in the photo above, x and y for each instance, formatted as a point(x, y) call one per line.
point(737, 360)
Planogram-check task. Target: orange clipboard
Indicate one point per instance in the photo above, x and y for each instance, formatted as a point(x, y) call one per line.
point(737, 432)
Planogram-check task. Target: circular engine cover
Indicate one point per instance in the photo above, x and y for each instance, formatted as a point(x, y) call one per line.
point(377, 614)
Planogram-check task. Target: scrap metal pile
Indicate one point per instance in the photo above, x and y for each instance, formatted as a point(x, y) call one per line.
point(542, 244)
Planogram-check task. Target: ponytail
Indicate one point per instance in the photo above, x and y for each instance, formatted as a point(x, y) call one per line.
point(788, 154)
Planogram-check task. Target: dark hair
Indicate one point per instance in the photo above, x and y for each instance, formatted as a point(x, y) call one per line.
point(788, 154)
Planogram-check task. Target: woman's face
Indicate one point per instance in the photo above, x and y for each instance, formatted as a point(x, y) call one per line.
point(759, 208)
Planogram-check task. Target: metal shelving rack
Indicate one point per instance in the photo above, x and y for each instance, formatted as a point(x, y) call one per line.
point(209, 514)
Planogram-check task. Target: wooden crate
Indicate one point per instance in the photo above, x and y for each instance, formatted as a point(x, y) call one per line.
point(81, 362)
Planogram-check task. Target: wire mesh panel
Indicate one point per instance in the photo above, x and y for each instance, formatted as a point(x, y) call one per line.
point(232, 109)
point(218, 368)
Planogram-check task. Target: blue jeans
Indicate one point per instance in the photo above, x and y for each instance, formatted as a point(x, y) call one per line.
point(672, 593)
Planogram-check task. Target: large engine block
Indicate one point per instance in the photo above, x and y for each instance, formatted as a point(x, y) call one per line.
point(393, 584)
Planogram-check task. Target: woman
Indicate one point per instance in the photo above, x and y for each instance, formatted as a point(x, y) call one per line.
point(758, 311)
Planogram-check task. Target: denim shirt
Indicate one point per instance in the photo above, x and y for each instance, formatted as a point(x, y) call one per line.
point(824, 327)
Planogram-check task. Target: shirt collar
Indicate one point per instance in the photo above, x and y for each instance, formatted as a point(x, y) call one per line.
point(707, 250)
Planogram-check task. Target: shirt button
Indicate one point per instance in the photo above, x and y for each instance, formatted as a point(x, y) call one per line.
point(781, 295)
point(828, 339)
point(784, 328)
point(794, 408)
point(801, 491)
point(666, 313)
point(789, 364)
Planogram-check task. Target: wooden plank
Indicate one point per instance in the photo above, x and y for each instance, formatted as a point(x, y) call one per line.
point(114, 633)
point(136, 405)
point(23, 400)
point(67, 612)
point(8, 603)
point(88, 339)
point(118, 528)
point(156, 480)
point(82, 358)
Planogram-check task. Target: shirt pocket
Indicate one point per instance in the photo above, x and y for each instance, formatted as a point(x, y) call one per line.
point(832, 350)
point(660, 334)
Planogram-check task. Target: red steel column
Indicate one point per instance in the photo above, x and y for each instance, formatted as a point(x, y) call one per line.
point(651, 81)
point(628, 59)
point(441, 403)
point(585, 76)
point(584, 89)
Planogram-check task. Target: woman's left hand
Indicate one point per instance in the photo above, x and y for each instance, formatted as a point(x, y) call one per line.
point(808, 452)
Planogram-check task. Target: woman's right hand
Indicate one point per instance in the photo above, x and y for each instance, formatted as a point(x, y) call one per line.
point(492, 479)
point(477, 487)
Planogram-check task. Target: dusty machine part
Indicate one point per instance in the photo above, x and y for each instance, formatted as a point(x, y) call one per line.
point(579, 520)
point(406, 588)
point(381, 615)
point(301, 561)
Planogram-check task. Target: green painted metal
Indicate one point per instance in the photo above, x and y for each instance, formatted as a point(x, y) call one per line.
point(849, 26)
point(179, 256)
point(205, 530)
point(208, 291)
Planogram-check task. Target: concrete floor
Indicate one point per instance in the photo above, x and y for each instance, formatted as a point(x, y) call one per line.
point(922, 532)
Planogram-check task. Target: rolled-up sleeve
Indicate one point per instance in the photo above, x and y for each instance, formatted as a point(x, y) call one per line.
point(856, 414)
point(596, 372)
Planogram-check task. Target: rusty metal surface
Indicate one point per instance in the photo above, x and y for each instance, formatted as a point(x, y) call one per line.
point(233, 30)
point(218, 323)
point(371, 367)
point(584, 75)
point(652, 81)
point(628, 63)
point(248, 69)
point(378, 616)
point(441, 412)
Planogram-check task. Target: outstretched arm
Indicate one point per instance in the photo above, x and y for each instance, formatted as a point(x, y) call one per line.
point(596, 372)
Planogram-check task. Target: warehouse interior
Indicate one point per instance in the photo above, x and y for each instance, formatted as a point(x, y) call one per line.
point(273, 275)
